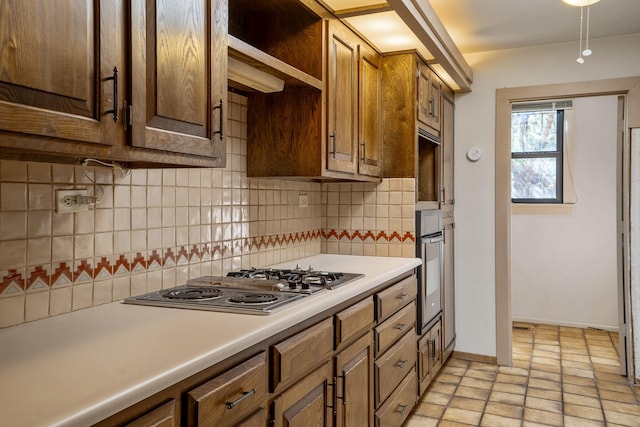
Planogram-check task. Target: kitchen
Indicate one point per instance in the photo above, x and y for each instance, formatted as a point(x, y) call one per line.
point(241, 205)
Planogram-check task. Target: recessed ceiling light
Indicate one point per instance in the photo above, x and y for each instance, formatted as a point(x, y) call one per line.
point(580, 3)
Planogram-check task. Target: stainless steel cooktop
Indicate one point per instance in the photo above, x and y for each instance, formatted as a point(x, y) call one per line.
point(254, 291)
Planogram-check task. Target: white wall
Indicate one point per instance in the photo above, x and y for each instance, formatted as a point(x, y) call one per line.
point(563, 266)
point(475, 195)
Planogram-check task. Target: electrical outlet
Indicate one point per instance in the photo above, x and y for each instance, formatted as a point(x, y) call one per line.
point(66, 201)
point(303, 200)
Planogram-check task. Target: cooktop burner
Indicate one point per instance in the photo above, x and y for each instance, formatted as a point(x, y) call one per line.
point(251, 291)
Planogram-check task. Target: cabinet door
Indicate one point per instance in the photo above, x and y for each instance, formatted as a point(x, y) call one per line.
point(307, 403)
point(354, 386)
point(370, 122)
point(162, 416)
point(342, 105)
point(179, 75)
point(435, 99)
point(423, 94)
point(56, 58)
point(448, 291)
point(447, 141)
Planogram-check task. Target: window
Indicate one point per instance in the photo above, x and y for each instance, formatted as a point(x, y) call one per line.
point(537, 140)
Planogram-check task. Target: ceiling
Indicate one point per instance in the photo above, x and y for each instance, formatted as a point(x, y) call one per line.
point(483, 25)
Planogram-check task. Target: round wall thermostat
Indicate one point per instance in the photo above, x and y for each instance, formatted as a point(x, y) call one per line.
point(474, 154)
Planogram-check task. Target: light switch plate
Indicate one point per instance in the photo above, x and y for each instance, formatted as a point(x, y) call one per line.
point(303, 200)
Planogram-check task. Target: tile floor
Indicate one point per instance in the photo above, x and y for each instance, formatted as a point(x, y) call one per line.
point(561, 376)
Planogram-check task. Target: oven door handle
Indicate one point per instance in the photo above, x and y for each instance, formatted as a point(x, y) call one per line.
point(433, 239)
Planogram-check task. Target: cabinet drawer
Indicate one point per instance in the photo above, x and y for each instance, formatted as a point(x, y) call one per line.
point(393, 365)
point(230, 397)
point(354, 320)
point(397, 296)
point(399, 406)
point(162, 416)
point(394, 327)
point(297, 355)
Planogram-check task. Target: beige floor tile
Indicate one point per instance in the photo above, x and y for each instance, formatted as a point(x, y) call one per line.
point(578, 372)
point(555, 355)
point(605, 361)
point(627, 397)
point(452, 370)
point(544, 375)
point(548, 348)
point(543, 417)
point(614, 378)
point(462, 416)
point(510, 388)
point(543, 404)
point(480, 374)
point(474, 382)
point(504, 410)
point(570, 421)
point(544, 365)
point(511, 379)
point(574, 364)
point(575, 357)
point(582, 390)
point(583, 412)
point(582, 400)
point(417, 421)
point(448, 423)
point(620, 387)
point(459, 363)
point(449, 379)
point(443, 388)
point(437, 398)
point(467, 403)
point(544, 384)
point(510, 370)
point(622, 419)
point(508, 398)
point(490, 420)
point(545, 394)
point(625, 408)
point(606, 368)
point(520, 364)
point(429, 410)
point(481, 366)
point(573, 379)
point(473, 392)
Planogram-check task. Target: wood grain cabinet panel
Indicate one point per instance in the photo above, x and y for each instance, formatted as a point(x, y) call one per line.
point(398, 407)
point(392, 366)
point(353, 400)
point(389, 331)
point(229, 398)
point(162, 416)
point(307, 403)
point(353, 321)
point(370, 113)
point(56, 59)
point(429, 355)
point(179, 75)
point(395, 297)
point(297, 355)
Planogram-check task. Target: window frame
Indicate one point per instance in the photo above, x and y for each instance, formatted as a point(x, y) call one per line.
point(558, 155)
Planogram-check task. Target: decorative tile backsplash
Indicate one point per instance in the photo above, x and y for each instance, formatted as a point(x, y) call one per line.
point(156, 228)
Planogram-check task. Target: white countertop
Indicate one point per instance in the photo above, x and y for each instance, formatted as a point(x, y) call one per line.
point(79, 368)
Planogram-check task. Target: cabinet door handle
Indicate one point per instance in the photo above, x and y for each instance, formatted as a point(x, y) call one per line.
point(220, 132)
point(401, 364)
point(400, 326)
point(402, 296)
point(114, 111)
point(333, 143)
point(401, 409)
point(432, 107)
point(364, 150)
point(432, 344)
point(245, 395)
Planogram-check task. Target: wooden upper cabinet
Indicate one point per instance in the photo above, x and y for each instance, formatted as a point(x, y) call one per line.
point(354, 111)
point(342, 99)
point(56, 61)
point(370, 103)
point(429, 98)
point(179, 75)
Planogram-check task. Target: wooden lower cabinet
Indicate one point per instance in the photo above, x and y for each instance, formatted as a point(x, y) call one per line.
point(307, 403)
point(399, 405)
point(162, 416)
point(353, 402)
point(231, 397)
point(429, 355)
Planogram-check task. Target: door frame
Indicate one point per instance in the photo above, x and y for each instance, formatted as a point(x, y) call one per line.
point(629, 87)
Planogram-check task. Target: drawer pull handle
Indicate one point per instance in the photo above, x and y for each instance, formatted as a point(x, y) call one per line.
point(401, 409)
point(245, 395)
point(401, 364)
point(402, 296)
point(400, 326)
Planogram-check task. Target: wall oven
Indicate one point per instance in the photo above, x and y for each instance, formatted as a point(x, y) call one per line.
point(429, 248)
